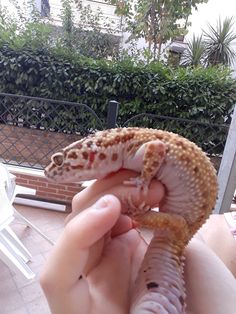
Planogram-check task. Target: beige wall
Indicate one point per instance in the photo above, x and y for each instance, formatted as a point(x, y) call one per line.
point(107, 10)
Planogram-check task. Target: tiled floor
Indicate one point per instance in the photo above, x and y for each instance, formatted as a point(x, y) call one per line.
point(17, 294)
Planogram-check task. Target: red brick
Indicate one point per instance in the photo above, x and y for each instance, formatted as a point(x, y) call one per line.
point(46, 190)
point(41, 179)
point(32, 186)
point(38, 183)
point(55, 186)
point(21, 181)
point(66, 193)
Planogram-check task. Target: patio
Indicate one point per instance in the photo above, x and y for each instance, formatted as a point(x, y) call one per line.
point(17, 294)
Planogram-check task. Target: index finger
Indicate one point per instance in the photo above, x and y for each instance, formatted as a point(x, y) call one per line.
point(113, 184)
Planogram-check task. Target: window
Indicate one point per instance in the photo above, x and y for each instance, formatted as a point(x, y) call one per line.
point(45, 8)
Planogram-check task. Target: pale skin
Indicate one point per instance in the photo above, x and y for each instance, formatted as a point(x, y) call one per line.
point(101, 244)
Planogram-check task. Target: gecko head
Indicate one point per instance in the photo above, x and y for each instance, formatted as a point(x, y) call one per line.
point(69, 165)
point(75, 163)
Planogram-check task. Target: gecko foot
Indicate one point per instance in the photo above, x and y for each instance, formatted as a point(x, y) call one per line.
point(134, 207)
point(138, 182)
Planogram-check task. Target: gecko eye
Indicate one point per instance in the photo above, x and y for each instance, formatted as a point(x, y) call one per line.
point(58, 159)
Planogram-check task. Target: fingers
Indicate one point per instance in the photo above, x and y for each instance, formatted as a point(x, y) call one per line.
point(116, 271)
point(70, 255)
point(123, 225)
point(113, 184)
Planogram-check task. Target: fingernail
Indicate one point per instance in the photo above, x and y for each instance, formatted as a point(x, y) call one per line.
point(102, 203)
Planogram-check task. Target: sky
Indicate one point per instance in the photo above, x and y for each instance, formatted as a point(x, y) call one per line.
point(209, 13)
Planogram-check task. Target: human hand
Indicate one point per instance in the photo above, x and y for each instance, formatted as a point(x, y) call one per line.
point(100, 245)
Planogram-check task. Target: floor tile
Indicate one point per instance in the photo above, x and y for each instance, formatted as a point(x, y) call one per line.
point(31, 292)
point(21, 310)
point(10, 301)
point(17, 294)
point(38, 306)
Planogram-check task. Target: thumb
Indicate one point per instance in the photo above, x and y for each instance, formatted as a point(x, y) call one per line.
point(70, 254)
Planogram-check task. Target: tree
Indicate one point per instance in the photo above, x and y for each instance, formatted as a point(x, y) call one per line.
point(194, 55)
point(25, 27)
point(82, 31)
point(218, 42)
point(156, 20)
point(68, 28)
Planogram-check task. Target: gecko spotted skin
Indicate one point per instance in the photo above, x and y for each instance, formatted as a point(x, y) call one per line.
point(191, 189)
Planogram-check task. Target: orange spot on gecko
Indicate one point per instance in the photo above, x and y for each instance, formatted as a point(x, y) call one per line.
point(85, 155)
point(149, 154)
point(79, 145)
point(185, 158)
point(117, 138)
point(77, 167)
point(156, 164)
point(102, 156)
point(72, 155)
point(91, 156)
point(181, 144)
point(161, 153)
point(150, 170)
point(99, 142)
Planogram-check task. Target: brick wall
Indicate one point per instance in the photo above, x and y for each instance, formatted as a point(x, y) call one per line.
point(46, 190)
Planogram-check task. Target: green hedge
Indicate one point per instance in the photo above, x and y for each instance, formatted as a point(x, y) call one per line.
point(201, 94)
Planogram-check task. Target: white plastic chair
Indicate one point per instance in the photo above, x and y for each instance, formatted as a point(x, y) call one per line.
point(12, 251)
point(13, 192)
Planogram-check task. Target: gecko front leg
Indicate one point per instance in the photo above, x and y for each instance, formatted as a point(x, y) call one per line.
point(147, 159)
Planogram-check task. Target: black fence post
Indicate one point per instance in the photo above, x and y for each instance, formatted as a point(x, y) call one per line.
point(112, 113)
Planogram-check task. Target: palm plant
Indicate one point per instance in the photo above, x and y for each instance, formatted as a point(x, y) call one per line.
point(194, 54)
point(218, 42)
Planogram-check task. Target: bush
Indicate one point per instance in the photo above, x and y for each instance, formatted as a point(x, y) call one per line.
point(200, 94)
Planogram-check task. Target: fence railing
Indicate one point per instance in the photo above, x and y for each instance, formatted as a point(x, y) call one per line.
point(210, 137)
point(33, 128)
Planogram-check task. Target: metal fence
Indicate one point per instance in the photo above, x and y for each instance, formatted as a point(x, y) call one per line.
point(210, 137)
point(32, 128)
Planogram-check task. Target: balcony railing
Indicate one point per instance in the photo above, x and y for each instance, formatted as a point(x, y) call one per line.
point(33, 128)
